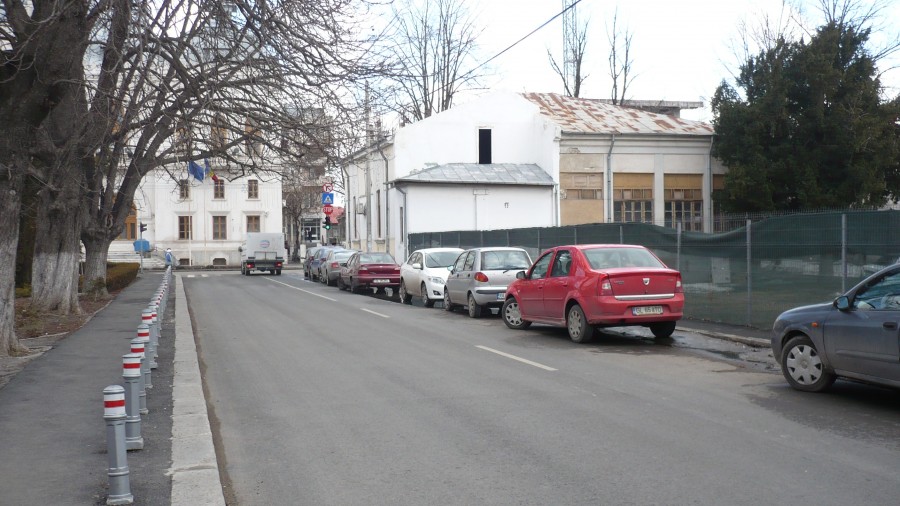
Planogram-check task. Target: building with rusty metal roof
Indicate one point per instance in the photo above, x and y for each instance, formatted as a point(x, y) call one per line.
point(509, 160)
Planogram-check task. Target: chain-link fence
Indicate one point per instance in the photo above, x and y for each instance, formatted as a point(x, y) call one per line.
point(746, 276)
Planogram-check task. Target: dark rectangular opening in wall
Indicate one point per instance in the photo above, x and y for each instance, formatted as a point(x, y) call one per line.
point(484, 145)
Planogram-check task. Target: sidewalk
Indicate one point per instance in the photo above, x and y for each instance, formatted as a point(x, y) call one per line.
point(52, 432)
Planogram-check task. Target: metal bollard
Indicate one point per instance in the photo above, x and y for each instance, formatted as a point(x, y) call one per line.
point(143, 333)
point(131, 374)
point(114, 414)
point(160, 299)
point(147, 319)
point(156, 330)
point(137, 347)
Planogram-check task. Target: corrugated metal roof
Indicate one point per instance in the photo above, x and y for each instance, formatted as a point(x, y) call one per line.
point(494, 173)
point(584, 115)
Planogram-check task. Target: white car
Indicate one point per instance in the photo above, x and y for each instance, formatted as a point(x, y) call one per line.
point(424, 274)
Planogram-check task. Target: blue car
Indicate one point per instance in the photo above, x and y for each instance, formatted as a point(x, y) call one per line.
point(857, 336)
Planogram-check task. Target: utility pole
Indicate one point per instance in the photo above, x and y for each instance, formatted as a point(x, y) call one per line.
point(368, 178)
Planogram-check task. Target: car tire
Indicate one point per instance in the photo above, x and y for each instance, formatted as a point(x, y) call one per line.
point(278, 272)
point(475, 310)
point(426, 301)
point(340, 284)
point(354, 288)
point(405, 297)
point(580, 331)
point(662, 330)
point(512, 316)
point(448, 306)
point(802, 367)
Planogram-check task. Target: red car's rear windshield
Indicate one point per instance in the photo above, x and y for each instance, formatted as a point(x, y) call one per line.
point(613, 258)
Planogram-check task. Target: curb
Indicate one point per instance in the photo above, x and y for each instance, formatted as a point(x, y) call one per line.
point(195, 470)
point(749, 341)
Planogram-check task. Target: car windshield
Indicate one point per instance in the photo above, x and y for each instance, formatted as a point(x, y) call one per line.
point(376, 258)
point(440, 258)
point(343, 255)
point(612, 258)
point(504, 260)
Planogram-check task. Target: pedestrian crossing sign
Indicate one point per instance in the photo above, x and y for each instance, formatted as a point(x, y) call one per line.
point(327, 199)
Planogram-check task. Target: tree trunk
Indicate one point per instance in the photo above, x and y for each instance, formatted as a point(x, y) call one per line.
point(57, 252)
point(96, 252)
point(11, 186)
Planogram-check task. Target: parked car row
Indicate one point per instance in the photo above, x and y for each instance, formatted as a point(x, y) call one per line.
point(581, 288)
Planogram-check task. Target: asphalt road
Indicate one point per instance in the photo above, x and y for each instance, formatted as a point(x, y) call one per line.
point(323, 397)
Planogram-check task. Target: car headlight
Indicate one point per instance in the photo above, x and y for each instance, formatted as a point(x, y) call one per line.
point(437, 280)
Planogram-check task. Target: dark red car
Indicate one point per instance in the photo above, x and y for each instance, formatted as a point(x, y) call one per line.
point(588, 286)
point(372, 269)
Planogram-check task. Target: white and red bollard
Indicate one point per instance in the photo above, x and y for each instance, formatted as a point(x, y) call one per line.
point(137, 347)
point(117, 471)
point(147, 319)
point(143, 333)
point(132, 375)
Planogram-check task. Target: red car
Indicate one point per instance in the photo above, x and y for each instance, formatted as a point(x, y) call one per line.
point(588, 286)
point(372, 269)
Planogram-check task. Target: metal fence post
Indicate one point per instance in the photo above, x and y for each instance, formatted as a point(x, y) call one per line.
point(117, 471)
point(131, 374)
point(749, 274)
point(621, 234)
point(843, 253)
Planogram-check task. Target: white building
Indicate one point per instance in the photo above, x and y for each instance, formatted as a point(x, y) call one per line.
point(203, 222)
point(451, 171)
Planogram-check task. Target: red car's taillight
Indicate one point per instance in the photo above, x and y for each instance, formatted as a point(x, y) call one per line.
point(604, 286)
point(249, 266)
point(277, 264)
point(678, 287)
point(480, 276)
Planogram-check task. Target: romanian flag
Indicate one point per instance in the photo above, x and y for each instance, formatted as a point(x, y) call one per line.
point(209, 171)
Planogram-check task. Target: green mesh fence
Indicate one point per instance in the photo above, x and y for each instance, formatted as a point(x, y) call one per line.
point(732, 277)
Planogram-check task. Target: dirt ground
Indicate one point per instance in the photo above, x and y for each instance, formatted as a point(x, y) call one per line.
point(39, 332)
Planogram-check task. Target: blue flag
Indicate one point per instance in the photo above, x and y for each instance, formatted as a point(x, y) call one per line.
point(195, 170)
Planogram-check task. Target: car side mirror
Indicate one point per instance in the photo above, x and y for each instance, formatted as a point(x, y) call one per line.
point(417, 266)
point(521, 275)
point(343, 264)
point(842, 303)
point(450, 268)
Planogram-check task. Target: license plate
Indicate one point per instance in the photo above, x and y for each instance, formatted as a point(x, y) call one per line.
point(381, 281)
point(644, 310)
point(501, 296)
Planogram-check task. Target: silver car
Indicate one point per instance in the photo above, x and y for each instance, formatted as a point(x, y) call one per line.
point(479, 277)
point(330, 266)
point(424, 274)
point(856, 337)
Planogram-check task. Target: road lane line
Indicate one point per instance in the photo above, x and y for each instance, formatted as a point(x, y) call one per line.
point(374, 313)
point(520, 359)
point(302, 290)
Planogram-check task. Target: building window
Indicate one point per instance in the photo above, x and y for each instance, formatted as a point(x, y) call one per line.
point(581, 186)
point(252, 189)
point(253, 223)
point(130, 231)
point(633, 206)
point(184, 228)
point(219, 189)
point(685, 207)
point(184, 189)
point(219, 226)
point(484, 145)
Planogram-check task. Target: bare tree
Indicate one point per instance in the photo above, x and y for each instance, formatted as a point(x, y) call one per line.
point(164, 83)
point(433, 47)
point(574, 48)
point(620, 60)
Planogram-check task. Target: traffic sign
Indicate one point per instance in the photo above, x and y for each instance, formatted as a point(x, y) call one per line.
point(328, 187)
point(327, 209)
point(327, 199)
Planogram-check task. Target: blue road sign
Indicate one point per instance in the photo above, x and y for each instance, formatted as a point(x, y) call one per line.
point(327, 199)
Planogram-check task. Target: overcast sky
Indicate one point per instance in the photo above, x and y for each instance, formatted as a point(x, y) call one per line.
point(682, 49)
